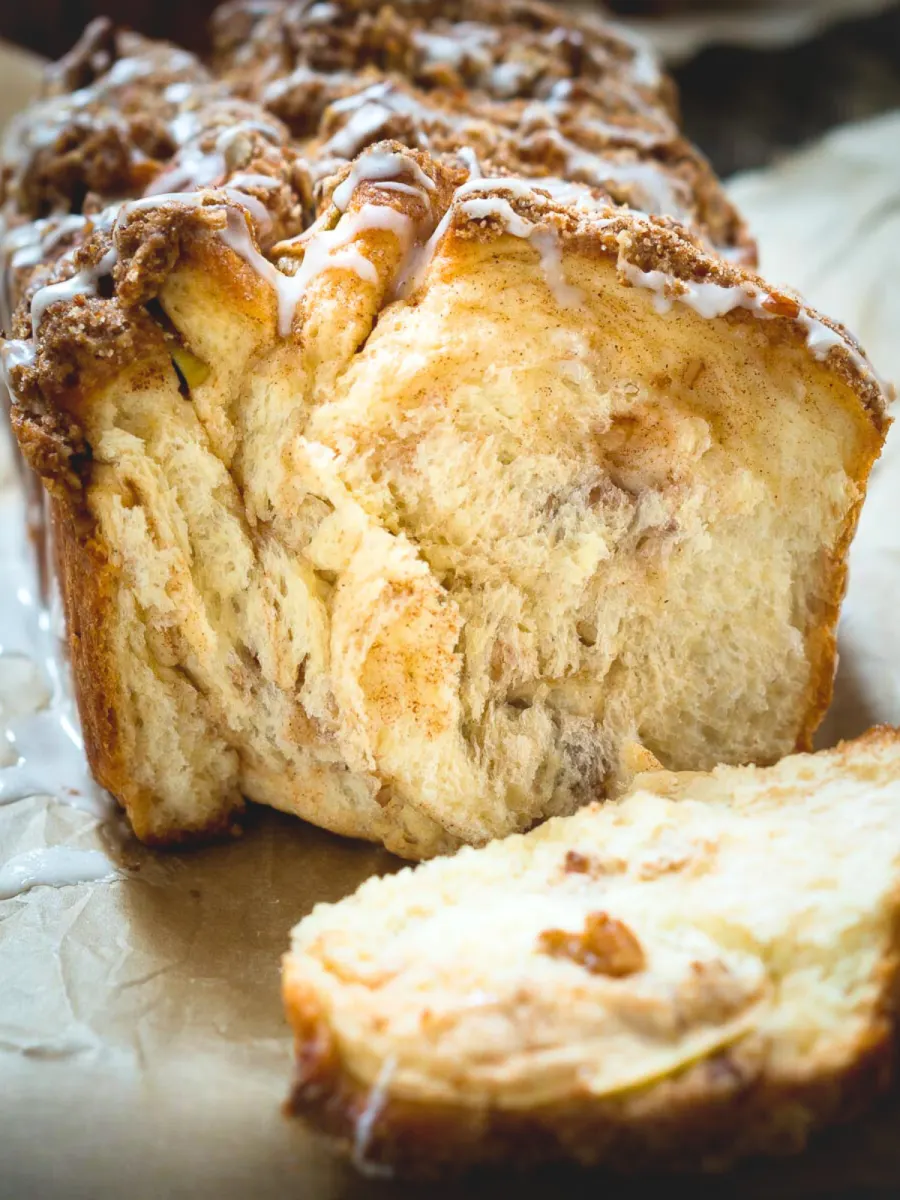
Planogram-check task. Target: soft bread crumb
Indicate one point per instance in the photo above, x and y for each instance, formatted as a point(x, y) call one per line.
point(428, 574)
point(728, 989)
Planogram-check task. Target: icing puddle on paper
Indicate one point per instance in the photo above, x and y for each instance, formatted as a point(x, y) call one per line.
point(41, 752)
point(54, 866)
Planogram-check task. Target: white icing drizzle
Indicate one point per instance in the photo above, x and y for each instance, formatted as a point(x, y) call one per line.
point(54, 866)
point(522, 189)
point(410, 276)
point(321, 14)
point(365, 1124)
point(470, 158)
point(656, 190)
point(499, 209)
point(185, 126)
point(710, 300)
point(548, 247)
point(178, 93)
point(573, 195)
point(465, 43)
point(15, 353)
point(194, 167)
point(44, 753)
point(360, 129)
point(380, 167)
point(254, 207)
point(370, 110)
point(627, 133)
point(26, 246)
point(820, 338)
point(49, 760)
point(84, 283)
point(645, 64)
point(191, 167)
point(417, 263)
point(246, 179)
point(302, 76)
point(404, 189)
point(561, 90)
point(484, 205)
point(229, 136)
point(507, 78)
point(324, 251)
point(544, 240)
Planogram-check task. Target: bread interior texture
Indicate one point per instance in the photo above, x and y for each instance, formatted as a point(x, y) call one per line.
point(702, 971)
point(422, 572)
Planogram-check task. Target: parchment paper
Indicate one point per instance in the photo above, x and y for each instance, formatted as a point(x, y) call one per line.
point(143, 1051)
point(763, 25)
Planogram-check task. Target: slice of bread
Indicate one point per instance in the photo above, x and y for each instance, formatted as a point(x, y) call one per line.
point(705, 970)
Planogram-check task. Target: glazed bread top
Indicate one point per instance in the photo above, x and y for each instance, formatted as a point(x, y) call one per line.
point(575, 107)
point(526, 87)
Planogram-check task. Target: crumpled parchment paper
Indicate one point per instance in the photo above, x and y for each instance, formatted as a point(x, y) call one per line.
point(143, 1053)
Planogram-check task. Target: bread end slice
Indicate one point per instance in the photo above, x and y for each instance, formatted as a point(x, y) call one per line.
point(702, 972)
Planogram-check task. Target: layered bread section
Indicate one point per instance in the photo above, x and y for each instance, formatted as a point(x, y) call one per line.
point(619, 987)
point(413, 526)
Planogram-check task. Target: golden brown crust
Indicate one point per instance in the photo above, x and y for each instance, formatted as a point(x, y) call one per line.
point(717, 1111)
point(89, 583)
point(823, 649)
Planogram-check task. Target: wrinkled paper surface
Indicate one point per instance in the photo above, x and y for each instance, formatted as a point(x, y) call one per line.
point(143, 1052)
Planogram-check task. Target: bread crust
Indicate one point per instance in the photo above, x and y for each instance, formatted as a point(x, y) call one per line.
point(89, 583)
point(715, 1113)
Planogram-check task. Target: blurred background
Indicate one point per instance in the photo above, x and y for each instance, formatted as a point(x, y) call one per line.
point(757, 77)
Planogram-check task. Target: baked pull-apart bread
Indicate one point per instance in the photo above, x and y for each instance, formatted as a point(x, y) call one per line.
point(409, 515)
point(705, 970)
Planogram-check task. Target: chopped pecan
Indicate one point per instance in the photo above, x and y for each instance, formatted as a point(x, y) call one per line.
point(605, 946)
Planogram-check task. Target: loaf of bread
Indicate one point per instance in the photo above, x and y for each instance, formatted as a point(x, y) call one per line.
point(405, 493)
point(703, 971)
